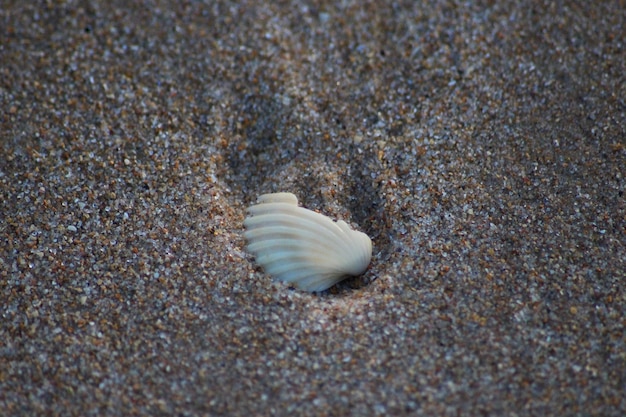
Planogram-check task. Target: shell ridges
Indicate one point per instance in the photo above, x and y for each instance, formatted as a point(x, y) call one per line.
point(302, 247)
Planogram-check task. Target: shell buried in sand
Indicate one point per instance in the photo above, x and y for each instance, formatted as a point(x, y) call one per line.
point(302, 247)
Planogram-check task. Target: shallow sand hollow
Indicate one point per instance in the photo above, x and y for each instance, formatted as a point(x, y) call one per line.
point(481, 146)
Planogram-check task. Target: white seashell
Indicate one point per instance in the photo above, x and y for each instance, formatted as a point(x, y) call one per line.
point(302, 247)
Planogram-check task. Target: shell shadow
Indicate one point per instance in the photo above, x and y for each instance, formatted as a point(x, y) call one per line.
point(367, 207)
point(257, 150)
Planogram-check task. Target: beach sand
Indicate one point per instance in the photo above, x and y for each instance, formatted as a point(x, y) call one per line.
point(481, 145)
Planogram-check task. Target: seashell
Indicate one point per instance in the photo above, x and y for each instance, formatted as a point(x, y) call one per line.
point(302, 247)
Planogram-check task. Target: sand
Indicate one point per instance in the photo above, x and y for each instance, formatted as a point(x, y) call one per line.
point(481, 145)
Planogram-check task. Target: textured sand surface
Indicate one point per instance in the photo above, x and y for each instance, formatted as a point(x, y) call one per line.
point(481, 145)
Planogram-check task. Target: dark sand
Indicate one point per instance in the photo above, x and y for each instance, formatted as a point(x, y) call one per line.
point(481, 145)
